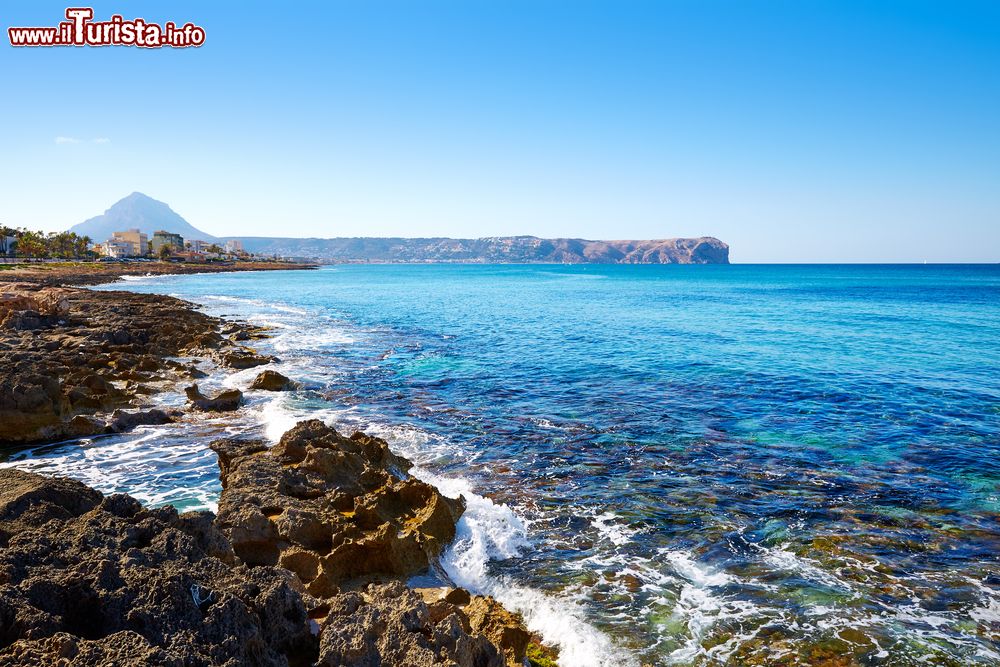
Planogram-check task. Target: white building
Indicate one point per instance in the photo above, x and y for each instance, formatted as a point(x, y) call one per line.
point(116, 249)
point(234, 246)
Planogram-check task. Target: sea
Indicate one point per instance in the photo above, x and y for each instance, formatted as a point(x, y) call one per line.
point(664, 465)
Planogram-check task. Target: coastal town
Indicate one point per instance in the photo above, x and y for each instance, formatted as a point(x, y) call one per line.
point(125, 245)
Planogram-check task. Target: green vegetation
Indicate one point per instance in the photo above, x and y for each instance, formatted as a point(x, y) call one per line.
point(539, 656)
point(26, 243)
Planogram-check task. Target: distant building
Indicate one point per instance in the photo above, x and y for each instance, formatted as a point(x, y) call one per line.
point(196, 245)
point(190, 256)
point(234, 246)
point(136, 240)
point(167, 239)
point(116, 249)
point(8, 246)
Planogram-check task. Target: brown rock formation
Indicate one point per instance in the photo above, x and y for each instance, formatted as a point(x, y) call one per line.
point(272, 381)
point(93, 580)
point(225, 401)
point(391, 625)
point(242, 358)
point(330, 508)
point(98, 354)
point(23, 306)
point(340, 512)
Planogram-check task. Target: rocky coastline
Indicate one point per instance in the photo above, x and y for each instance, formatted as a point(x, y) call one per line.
point(306, 561)
point(96, 273)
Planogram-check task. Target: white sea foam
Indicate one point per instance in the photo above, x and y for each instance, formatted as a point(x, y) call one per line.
point(618, 534)
point(783, 559)
point(267, 305)
point(701, 605)
point(488, 532)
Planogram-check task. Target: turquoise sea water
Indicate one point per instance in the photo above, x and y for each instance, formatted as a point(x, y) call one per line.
point(665, 464)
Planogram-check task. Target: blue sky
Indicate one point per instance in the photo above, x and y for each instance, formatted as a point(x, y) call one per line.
point(795, 130)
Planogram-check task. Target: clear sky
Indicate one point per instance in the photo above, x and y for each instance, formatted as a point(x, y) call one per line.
point(795, 130)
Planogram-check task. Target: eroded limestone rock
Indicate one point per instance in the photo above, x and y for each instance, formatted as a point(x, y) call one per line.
point(92, 580)
point(330, 508)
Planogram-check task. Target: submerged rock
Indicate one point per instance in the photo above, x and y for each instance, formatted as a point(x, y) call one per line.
point(272, 381)
point(92, 580)
point(122, 420)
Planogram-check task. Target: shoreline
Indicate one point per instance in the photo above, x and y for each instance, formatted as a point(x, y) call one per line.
point(99, 327)
point(70, 356)
point(70, 273)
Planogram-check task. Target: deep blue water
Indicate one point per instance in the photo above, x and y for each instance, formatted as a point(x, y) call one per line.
point(684, 464)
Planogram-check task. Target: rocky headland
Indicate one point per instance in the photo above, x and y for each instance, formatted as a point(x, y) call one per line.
point(306, 562)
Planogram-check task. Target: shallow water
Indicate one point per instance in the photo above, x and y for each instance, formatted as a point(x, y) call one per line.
point(665, 464)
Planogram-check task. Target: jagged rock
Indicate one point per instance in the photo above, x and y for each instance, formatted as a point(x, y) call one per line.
point(272, 381)
point(82, 364)
point(24, 320)
point(122, 421)
point(482, 616)
point(47, 301)
point(391, 625)
point(242, 358)
point(225, 401)
point(489, 618)
point(330, 508)
point(93, 580)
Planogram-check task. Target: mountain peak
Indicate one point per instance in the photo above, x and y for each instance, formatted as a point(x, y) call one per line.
point(138, 211)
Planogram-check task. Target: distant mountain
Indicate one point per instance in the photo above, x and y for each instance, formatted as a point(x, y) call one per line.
point(498, 249)
point(138, 211)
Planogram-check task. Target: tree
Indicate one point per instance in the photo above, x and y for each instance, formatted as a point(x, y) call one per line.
point(215, 248)
point(164, 252)
point(32, 244)
point(81, 244)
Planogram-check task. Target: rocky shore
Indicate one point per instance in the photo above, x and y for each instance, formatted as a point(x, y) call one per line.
point(96, 273)
point(77, 363)
point(306, 562)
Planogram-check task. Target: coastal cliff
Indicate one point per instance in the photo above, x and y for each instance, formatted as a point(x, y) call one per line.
point(498, 250)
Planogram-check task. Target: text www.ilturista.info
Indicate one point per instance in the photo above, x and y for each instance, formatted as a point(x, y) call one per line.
point(80, 30)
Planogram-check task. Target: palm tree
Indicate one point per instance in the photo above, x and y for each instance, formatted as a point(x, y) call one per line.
point(32, 244)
